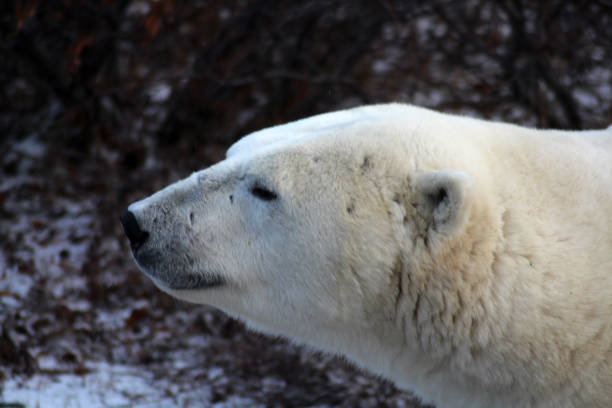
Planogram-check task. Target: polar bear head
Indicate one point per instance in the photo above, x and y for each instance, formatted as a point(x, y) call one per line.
point(321, 230)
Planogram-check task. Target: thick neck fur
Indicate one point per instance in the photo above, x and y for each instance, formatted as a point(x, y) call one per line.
point(459, 293)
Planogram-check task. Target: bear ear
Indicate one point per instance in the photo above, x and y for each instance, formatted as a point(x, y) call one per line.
point(443, 202)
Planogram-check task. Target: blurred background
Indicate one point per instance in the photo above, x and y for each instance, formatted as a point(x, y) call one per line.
point(104, 102)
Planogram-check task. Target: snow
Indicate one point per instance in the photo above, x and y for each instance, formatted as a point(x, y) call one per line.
point(115, 319)
point(107, 385)
point(12, 282)
point(160, 92)
point(104, 386)
point(30, 147)
point(138, 8)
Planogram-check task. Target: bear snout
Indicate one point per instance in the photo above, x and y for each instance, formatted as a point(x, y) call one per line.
point(132, 230)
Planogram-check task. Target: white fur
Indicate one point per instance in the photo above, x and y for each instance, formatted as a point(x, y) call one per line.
point(468, 261)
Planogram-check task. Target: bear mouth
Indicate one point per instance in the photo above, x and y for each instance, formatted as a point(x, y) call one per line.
point(185, 281)
point(191, 282)
point(172, 279)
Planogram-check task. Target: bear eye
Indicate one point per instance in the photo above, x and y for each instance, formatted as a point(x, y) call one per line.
point(263, 193)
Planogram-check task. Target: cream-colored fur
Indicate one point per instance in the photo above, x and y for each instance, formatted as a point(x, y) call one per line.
point(468, 261)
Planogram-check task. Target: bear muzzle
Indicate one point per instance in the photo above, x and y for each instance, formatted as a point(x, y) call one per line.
point(156, 266)
point(132, 230)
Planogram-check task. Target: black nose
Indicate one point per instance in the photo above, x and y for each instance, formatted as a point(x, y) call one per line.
point(131, 228)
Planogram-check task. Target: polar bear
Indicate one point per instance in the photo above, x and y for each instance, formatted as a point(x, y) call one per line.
point(466, 260)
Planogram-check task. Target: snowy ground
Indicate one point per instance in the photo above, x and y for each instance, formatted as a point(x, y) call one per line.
point(112, 386)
